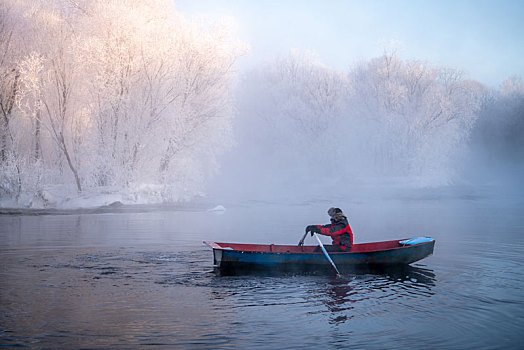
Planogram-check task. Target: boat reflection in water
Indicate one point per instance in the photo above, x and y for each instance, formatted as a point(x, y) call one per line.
point(343, 296)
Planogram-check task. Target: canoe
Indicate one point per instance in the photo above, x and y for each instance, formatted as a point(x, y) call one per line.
point(237, 257)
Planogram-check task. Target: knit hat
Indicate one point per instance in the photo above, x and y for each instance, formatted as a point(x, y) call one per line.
point(335, 212)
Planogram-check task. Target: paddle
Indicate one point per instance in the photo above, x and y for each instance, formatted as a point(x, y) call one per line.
point(326, 254)
point(301, 242)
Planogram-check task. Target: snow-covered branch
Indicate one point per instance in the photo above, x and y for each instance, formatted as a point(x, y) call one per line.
point(116, 92)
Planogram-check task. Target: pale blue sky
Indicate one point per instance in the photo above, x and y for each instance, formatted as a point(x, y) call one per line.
point(483, 38)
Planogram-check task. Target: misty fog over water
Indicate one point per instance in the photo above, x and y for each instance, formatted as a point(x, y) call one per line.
point(165, 115)
point(141, 277)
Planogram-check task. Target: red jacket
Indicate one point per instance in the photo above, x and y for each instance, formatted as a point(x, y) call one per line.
point(340, 233)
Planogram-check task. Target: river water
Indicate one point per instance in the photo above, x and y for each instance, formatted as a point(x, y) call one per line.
point(134, 277)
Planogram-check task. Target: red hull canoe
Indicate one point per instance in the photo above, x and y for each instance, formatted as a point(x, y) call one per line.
point(244, 257)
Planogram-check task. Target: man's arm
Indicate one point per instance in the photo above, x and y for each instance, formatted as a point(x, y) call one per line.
point(333, 230)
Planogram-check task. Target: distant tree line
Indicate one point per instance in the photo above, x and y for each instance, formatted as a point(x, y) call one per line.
point(497, 139)
point(384, 118)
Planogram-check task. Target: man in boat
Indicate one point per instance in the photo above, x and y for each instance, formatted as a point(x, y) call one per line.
point(338, 229)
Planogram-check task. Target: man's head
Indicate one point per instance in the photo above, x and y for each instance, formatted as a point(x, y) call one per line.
point(335, 213)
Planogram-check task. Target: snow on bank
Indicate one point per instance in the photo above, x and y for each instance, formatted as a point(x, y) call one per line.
point(218, 209)
point(66, 198)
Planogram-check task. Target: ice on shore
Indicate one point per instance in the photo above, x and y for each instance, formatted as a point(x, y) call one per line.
point(218, 208)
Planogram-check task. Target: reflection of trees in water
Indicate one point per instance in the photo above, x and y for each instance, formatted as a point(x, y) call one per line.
point(360, 292)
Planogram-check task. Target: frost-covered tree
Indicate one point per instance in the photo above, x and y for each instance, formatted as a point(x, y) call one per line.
point(120, 93)
point(290, 112)
point(497, 140)
point(160, 89)
point(419, 113)
point(10, 50)
point(57, 83)
point(386, 117)
point(8, 78)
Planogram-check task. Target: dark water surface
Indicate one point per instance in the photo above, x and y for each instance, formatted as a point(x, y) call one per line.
point(141, 277)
